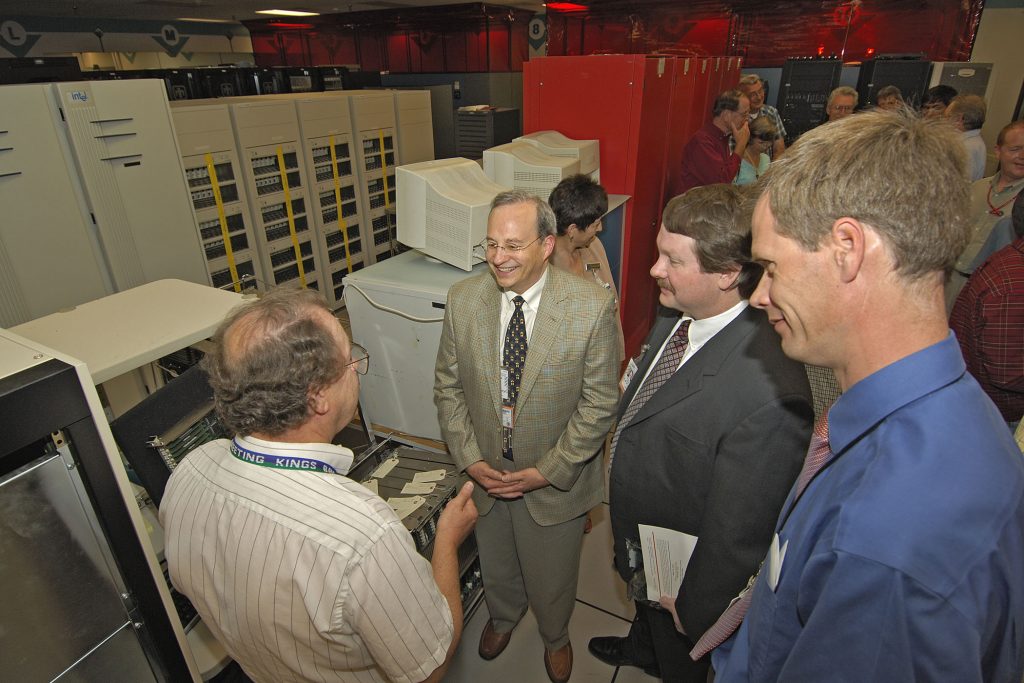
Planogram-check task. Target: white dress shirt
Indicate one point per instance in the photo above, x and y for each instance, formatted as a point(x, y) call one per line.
point(700, 332)
point(532, 298)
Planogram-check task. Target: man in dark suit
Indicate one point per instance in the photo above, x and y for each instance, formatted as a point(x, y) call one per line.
point(713, 428)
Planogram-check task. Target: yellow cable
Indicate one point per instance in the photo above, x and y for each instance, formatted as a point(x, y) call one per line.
point(384, 168)
point(291, 216)
point(337, 200)
point(229, 252)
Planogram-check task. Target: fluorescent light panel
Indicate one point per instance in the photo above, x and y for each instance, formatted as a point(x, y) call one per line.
point(288, 12)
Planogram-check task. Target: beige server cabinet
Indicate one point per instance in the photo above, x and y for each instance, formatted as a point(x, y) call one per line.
point(126, 155)
point(374, 128)
point(214, 177)
point(326, 127)
point(273, 166)
point(49, 257)
point(415, 126)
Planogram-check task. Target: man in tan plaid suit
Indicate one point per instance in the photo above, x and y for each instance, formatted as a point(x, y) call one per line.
point(533, 452)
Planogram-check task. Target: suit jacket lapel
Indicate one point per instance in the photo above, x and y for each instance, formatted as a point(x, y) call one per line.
point(663, 326)
point(487, 337)
point(689, 379)
point(545, 329)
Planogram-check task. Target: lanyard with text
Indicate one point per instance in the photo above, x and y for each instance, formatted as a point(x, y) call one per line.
point(280, 461)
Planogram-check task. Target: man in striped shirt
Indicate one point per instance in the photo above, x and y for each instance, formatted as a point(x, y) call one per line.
point(301, 573)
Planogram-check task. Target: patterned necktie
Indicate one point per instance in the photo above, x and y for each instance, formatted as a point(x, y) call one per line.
point(817, 455)
point(513, 357)
point(663, 369)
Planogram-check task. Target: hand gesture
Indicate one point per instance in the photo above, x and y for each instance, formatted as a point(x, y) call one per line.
point(458, 517)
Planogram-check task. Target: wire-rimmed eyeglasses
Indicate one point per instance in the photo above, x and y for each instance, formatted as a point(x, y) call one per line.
point(492, 247)
point(360, 359)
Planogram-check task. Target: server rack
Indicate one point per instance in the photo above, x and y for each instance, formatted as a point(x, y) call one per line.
point(124, 147)
point(415, 125)
point(214, 177)
point(374, 130)
point(267, 135)
point(35, 163)
point(806, 84)
point(909, 73)
point(648, 106)
point(83, 598)
point(476, 131)
point(325, 124)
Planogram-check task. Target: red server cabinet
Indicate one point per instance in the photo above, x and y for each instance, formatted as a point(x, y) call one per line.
point(642, 109)
point(696, 82)
point(622, 101)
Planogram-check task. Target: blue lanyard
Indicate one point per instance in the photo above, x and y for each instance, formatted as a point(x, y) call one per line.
point(280, 461)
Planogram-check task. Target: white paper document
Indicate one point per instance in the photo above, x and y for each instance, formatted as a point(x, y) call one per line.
point(429, 475)
point(419, 487)
point(404, 507)
point(666, 555)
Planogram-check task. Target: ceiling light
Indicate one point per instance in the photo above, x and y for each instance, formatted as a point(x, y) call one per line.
point(288, 12)
point(207, 21)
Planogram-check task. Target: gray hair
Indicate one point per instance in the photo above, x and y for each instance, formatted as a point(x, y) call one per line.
point(750, 79)
point(270, 356)
point(971, 109)
point(545, 216)
point(843, 90)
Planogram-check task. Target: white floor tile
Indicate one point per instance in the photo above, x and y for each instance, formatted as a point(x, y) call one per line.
point(599, 583)
point(522, 661)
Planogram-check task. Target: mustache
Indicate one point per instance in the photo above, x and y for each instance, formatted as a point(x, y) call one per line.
point(663, 283)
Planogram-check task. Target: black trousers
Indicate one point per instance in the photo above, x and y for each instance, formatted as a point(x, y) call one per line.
point(653, 637)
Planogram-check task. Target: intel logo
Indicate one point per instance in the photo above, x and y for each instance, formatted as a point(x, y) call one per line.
point(79, 96)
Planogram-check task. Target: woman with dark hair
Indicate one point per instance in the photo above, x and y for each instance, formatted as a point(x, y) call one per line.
point(579, 204)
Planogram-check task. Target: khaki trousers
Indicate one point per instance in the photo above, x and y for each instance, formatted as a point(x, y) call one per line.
point(528, 565)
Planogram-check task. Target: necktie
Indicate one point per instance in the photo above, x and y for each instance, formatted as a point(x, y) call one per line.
point(817, 455)
point(663, 369)
point(513, 357)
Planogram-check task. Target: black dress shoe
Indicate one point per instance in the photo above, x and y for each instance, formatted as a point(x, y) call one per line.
point(615, 651)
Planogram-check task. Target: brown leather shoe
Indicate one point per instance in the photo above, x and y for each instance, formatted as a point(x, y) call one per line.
point(493, 643)
point(558, 664)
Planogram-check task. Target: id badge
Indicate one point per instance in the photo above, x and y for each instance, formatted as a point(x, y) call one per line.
point(507, 416)
point(504, 384)
point(627, 376)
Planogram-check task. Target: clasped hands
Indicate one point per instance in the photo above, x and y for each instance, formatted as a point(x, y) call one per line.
point(505, 484)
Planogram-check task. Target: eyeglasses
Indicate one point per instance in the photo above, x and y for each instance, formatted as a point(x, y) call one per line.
point(360, 359)
point(491, 247)
point(842, 107)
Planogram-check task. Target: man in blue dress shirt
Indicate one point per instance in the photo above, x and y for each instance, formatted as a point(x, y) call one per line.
point(903, 559)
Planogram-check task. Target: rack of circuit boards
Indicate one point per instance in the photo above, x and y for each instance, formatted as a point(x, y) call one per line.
point(418, 482)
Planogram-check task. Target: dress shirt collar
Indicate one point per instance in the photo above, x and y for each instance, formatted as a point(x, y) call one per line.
point(712, 129)
point(971, 133)
point(338, 457)
point(1011, 189)
point(532, 295)
point(703, 330)
point(882, 393)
